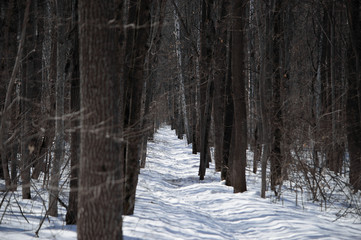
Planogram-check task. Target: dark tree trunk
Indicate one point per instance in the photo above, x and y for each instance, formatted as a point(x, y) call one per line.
point(100, 168)
point(220, 69)
point(353, 94)
point(63, 9)
point(30, 91)
point(136, 49)
point(239, 97)
point(11, 55)
point(153, 58)
point(353, 128)
point(228, 113)
point(40, 15)
point(72, 210)
point(276, 155)
point(205, 130)
point(206, 38)
point(48, 86)
point(265, 46)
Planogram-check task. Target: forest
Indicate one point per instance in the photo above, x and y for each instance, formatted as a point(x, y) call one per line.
point(85, 85)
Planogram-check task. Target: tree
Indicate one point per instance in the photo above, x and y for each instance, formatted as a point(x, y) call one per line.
point(62, 14)
point(16, 60)
point(100, 169)
point(239, 97)
point(228, 115)
point(72, 210)
point(276, 154)
point(136, 47)
point(152, 62)
point(30, 93)
point(353, 94)
point(178, 50)
point(206, 82)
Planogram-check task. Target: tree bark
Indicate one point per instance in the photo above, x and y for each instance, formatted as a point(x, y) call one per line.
point(276, 154)
point(136, 48)
point(239, 98)
point(220, 69)
point(30, 92)
point(353, 106)
point(62, 14)
point(153, 61)
point(15, 61)
point(100, 168)
point(205, 130)
point(72, 210)
point(265, 47)
point(207, 37)
point(178, 50)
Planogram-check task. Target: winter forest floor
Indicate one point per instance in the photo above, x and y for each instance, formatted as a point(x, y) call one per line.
point(172, 203)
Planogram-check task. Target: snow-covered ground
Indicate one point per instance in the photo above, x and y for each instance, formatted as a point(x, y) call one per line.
point(172, 203)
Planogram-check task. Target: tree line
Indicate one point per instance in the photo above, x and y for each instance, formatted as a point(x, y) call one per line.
point(85, 84)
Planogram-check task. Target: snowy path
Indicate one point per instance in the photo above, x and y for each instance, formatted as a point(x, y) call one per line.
point(172, 204)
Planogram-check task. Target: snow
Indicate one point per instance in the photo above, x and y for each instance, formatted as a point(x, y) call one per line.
point(172, 203)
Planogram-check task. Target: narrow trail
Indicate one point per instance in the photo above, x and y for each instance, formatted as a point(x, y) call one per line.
point(172, 203)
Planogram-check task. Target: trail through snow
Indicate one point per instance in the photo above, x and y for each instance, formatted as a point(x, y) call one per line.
point(172, 203)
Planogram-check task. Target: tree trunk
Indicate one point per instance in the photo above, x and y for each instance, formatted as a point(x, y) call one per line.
point(153, 58)
point(276, 155)
point(30, 91)
point(62, 12)
point(353, 95)
point(10, 71)
point(100, 168)
point(228, 113)
point(178, 50)
point(206, 38)
point(136, 52)
point(353, 126)
point(72, 210)
point(265, 38)
point(205, 130)
point(220, 69)
point(239, 98)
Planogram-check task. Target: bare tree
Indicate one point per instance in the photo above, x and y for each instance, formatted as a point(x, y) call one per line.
point(239, 96)
point(62, 14)
point(137, 37)
point(72, 210)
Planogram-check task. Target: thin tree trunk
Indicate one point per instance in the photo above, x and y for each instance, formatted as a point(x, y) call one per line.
point(228, 113)
point(62, 12)
point(153, 58)
point(207, 36)
point(72, 210)
point(180, 73)
point(29, 104)
point(136, 52)
point(205, 129)
point(264, 51)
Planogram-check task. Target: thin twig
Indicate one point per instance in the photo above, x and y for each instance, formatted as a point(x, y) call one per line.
point(21, 211)
point(7, 205)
